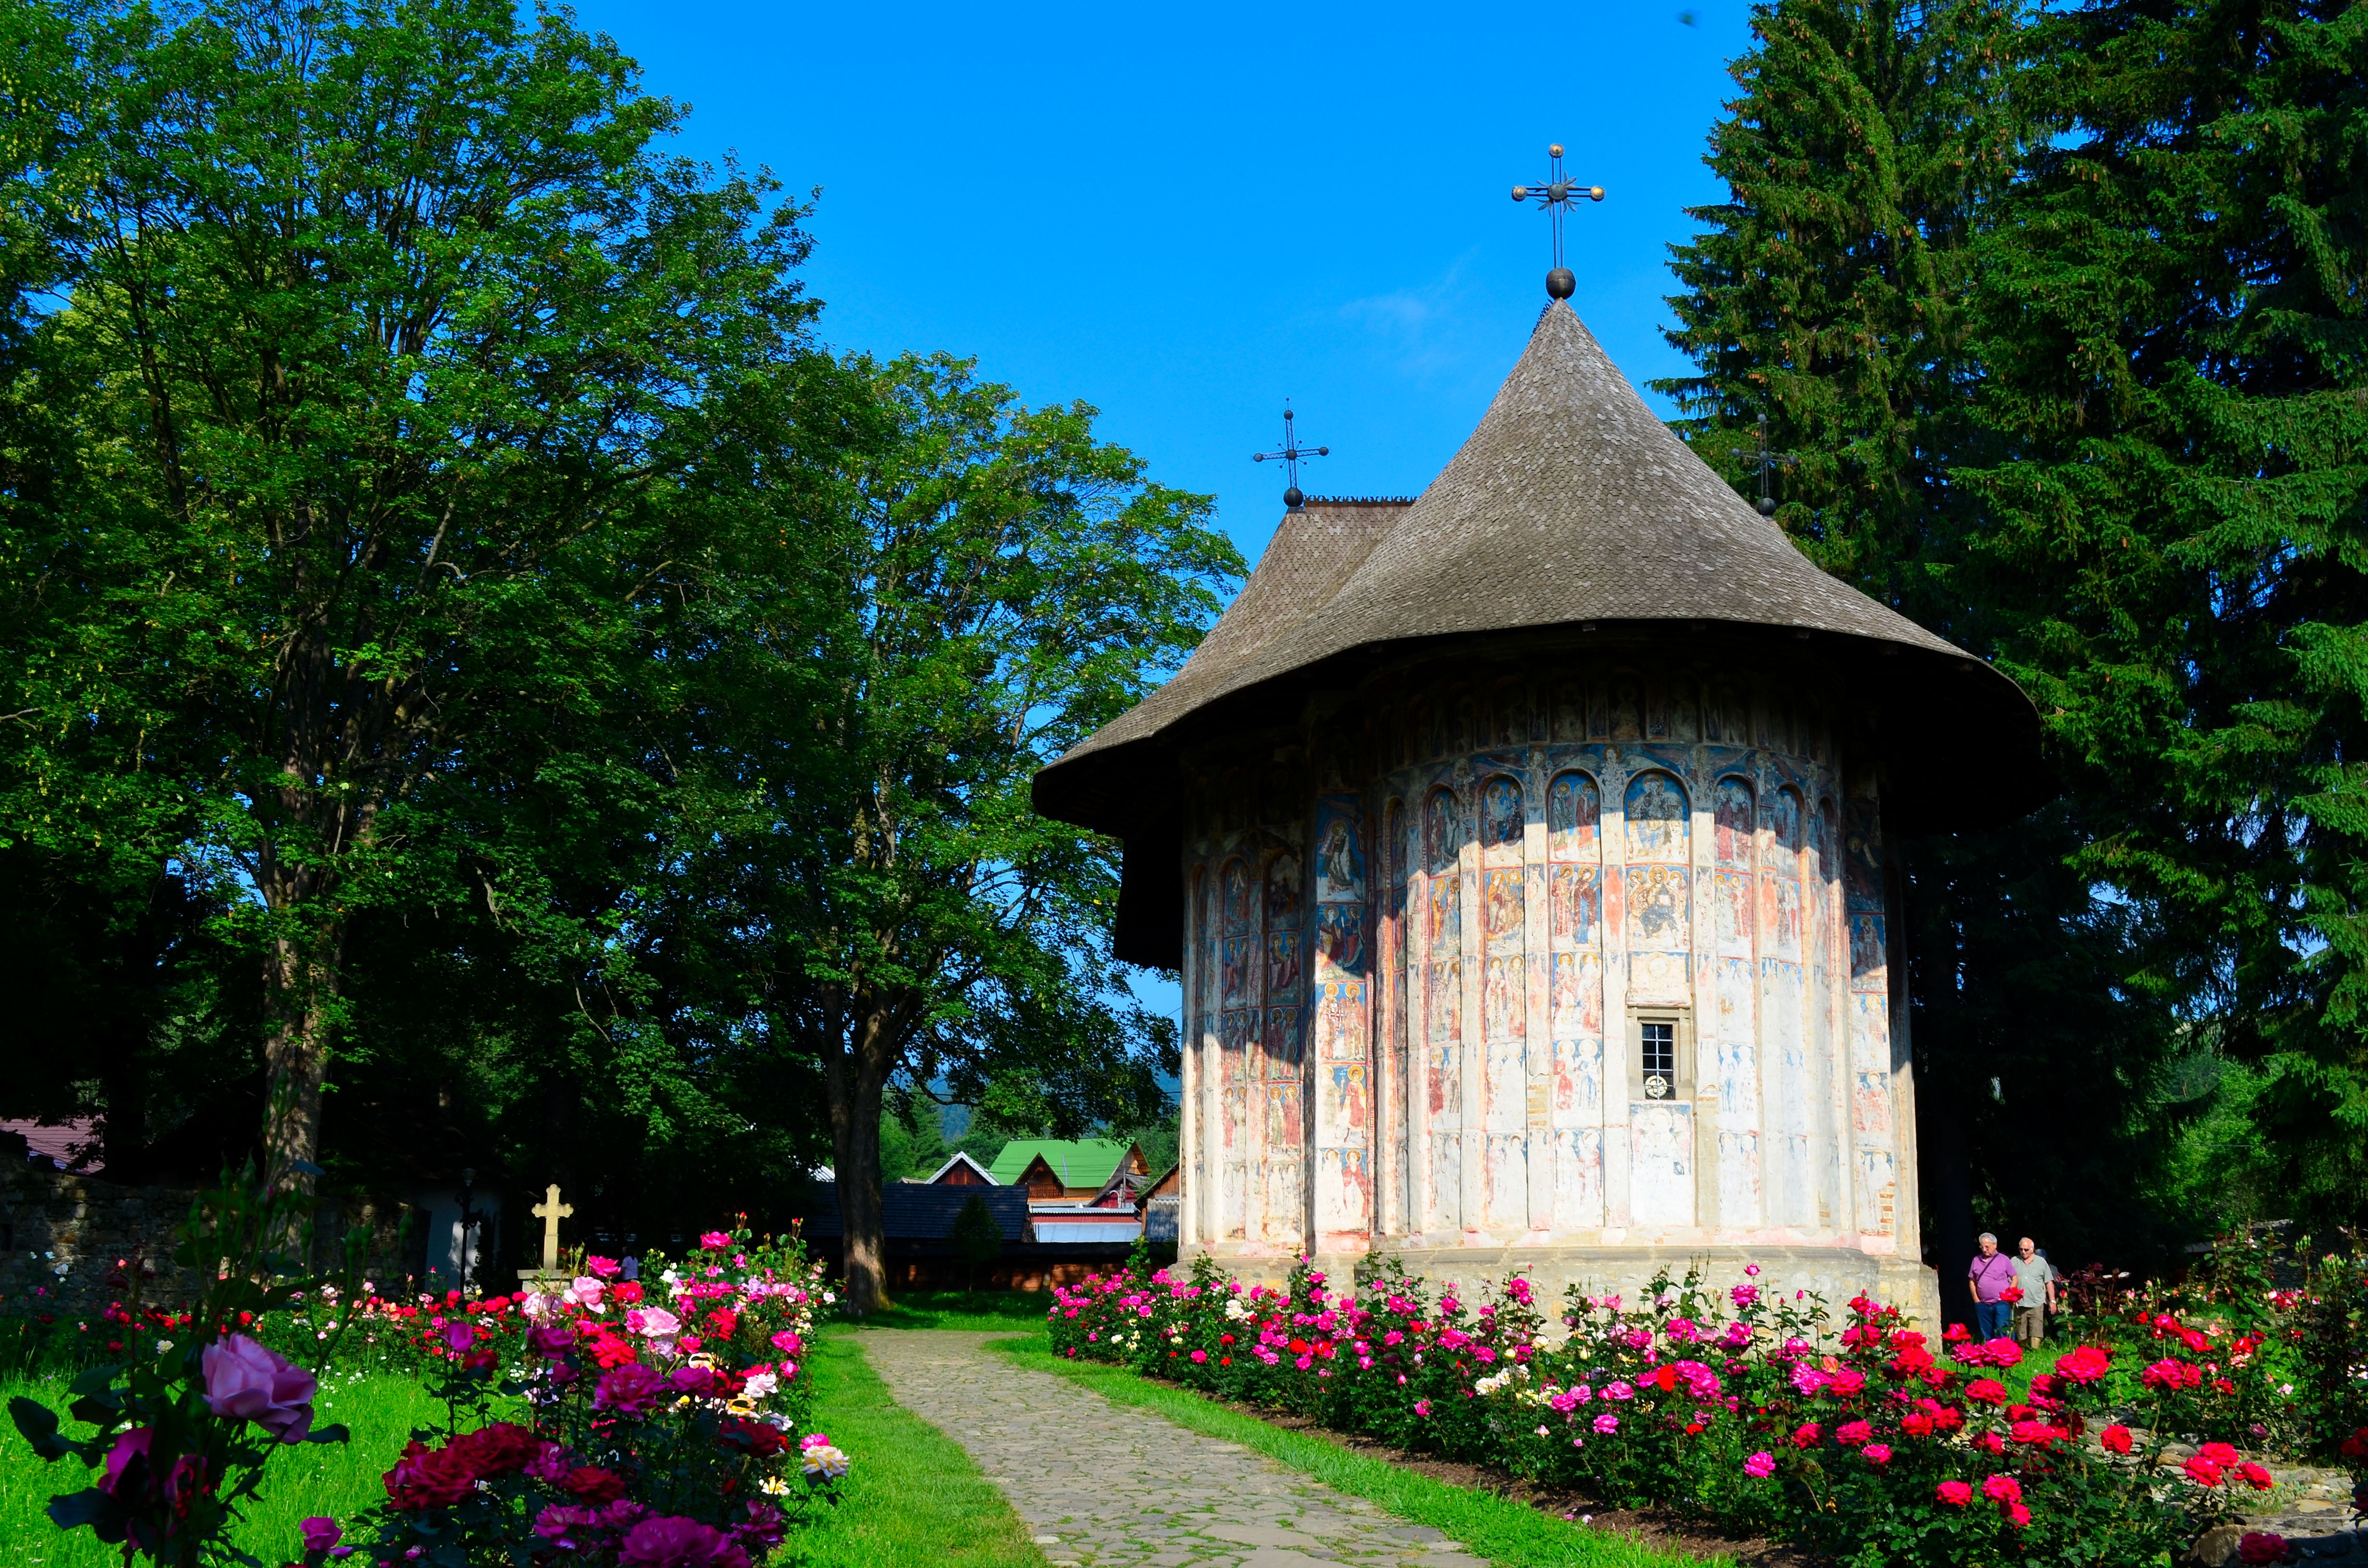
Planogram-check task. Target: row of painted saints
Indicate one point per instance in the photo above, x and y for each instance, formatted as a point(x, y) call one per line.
point(1656, 886)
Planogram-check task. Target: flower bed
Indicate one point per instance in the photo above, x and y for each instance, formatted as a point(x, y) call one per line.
point(662, 1423)
point(1847, 1434)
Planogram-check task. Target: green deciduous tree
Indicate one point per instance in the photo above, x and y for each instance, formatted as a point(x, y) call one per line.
point(384, 328)
point(990, 584)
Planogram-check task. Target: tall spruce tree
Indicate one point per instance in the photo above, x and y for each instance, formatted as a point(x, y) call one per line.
point(1826, 292)
point(1833, 294)
point(2173, 332)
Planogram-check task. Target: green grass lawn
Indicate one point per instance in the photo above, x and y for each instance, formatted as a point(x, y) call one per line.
point(914, 1498)
point(337, 1480)
point(1508, 1533)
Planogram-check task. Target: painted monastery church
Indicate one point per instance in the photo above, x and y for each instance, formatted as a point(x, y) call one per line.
point(1523, 849)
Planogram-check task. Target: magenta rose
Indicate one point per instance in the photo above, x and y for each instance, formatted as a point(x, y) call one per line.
point(568, 1527)
point(630, 1389)
point(675, 1543)
point(320, 1534)
point(245, 1382)
point(135, 1442)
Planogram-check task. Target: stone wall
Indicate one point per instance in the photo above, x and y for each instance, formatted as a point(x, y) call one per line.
point(69, 1243)
point(64, 1237)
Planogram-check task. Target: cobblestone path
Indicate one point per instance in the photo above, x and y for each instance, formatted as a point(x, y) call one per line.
point(1113, 1486)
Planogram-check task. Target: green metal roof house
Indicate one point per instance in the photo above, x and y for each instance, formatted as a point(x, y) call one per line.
point(1083, 1165)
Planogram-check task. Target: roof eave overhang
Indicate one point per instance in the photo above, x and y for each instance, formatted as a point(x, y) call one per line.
point(1954, 735)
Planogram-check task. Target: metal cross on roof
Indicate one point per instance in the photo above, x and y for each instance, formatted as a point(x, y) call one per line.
point(1765, 461)
point(1557, 193)
point(1289, 455)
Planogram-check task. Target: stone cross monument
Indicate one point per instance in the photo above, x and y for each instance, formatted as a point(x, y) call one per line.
point(551, 1211)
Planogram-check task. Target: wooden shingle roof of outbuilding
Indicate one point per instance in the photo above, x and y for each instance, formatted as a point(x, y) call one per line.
point(1572, 505)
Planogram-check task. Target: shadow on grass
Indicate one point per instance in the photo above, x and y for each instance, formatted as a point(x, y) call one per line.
point(1021, 1311)
point(1508, 1533)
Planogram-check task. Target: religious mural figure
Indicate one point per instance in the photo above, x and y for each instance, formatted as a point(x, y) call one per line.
point(1627, 711)
point(1731, 815)
point(1783, 820)
point(1446, 914)
point(1500, 908)
point(1236, 879)
point(1340, 936)
point(1281, 1039)
point(1866, 942)
point(1785, 915)
point(1283, 893)
point(1657, 818)
point(1574, 807)
point(1339, 867)
point(1440, 837)
point(1575, 903)
point(1281, 962)
point(1235, 965)
point(1657, 907)
point(1504, 999)
point(1444, 999)
point(1500, 814)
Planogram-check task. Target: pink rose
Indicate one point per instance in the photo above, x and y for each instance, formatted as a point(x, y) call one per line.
point(245, 1382)
point(586, 1291)
point(1759, 1466)
point(655, 1322)
point(605, 1268)
point(714, 1241)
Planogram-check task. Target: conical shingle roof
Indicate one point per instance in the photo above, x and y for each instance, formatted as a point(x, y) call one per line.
point(1571, 504)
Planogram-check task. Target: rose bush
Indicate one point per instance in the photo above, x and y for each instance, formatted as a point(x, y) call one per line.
point(664, 1421)
point(1848, 1434)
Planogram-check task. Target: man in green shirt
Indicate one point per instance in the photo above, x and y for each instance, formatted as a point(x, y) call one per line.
point(2036, 1279)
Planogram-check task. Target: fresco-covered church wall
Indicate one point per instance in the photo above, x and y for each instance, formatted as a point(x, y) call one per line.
point(1429, 939)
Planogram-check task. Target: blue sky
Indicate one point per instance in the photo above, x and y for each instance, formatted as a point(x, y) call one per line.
point(1184, 216)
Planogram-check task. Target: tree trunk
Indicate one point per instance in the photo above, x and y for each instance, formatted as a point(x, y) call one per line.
point(855, 1079)
point(302, 987)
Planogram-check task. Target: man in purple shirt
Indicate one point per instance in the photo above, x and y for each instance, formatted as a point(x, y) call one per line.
point(1992, 1272)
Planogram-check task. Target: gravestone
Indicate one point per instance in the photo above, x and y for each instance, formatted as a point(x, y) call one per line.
point(548, 1276)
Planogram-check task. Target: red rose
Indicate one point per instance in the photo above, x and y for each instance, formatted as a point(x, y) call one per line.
point(2085, 1365)
point(2256, 1478)
point(591, 1484)
point(499, 1448)
point(2219, 1453)
point(2202, 1471)
point(2116, 1439)
point(429, 1478)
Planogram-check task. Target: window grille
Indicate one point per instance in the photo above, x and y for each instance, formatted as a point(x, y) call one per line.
point(1660, 1058)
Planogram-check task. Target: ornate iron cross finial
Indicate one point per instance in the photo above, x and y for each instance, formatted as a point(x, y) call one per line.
point(1555, 194)
point(1766, 462)
point(1291, 453)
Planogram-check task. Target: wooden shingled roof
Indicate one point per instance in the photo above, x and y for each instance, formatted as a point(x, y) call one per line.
point(1571, 506)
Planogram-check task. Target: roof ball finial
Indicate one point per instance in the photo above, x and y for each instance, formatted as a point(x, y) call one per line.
point(1561, 283)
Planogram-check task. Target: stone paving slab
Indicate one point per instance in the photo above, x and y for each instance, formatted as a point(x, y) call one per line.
point(1105, 1486)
